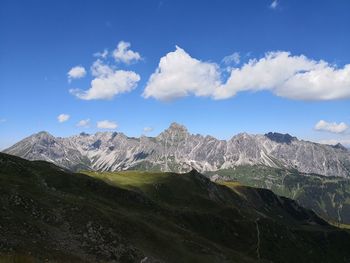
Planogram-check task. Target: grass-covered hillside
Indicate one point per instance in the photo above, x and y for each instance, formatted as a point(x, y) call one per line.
point(50, 215)
point(327, 196)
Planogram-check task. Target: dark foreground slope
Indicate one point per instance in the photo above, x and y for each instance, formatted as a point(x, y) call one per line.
point(49, 213)
point(329, 197)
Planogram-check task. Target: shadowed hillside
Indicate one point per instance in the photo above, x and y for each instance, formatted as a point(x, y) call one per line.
point(329, 197)
point(49, 213)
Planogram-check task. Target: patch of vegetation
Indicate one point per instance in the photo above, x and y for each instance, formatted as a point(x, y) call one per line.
point(327, 196)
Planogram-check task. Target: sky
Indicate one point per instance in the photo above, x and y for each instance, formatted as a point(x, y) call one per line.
point(217, 67)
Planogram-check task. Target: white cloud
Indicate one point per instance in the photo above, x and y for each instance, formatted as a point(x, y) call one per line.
point(106, 124)
point(274, 4)
point(63, 117)
point(102, 54)
point(107, 83)
point(323, 82)
point(295, 77)
point(233, 58)
point(331, 126)
point(147, 129)
point(83, 123)
point(76, 73)
point(179, 75)
point(100, 69)
point(268, 73)
point(123, 53)
point(2, 120)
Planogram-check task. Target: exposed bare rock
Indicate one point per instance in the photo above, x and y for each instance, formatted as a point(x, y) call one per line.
point(175, 149)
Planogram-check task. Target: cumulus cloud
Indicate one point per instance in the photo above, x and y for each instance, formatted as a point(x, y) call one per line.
point(102, 54)
point(323, 82)
point(234, 58)
point(63, 117)
point(76, 73)
point(147, 129)
point(269, 73)
point(295, 77)
point(179, 75)
point(331, 126)
point(107, 83)
point(274, 4)
point(106, 124)
point(123, 53)
point(83, 123)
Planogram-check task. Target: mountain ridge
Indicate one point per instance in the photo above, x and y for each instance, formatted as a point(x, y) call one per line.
point(176, 149)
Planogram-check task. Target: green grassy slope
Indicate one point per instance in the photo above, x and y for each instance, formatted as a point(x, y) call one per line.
point(327, 196)
point(49, 213)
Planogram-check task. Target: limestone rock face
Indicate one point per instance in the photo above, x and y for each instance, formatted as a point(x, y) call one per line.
point(175, 149)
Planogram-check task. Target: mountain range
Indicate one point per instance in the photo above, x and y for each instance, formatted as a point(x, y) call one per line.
point(177, 150)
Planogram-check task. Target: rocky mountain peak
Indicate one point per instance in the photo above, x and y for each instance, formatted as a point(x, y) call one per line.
point(43, 133)
point(340, 146)
point(280, 137)
point(175, 131)
point(175, 127)
point(43, 137)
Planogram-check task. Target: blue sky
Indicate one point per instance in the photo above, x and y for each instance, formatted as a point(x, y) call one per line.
point(285, 68)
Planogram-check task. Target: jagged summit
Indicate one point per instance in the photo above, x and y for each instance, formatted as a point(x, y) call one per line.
point(43, 133)
point(41, 138)
point(175, 132)
point(280, 137)
point(177, 128)
point(177, 150)
point(340, 146)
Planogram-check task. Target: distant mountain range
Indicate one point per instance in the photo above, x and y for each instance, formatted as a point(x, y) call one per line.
point(176, 150)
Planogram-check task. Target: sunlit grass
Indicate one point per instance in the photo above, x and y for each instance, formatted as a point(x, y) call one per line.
point(129, 179)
